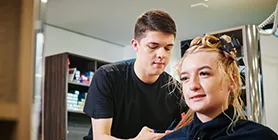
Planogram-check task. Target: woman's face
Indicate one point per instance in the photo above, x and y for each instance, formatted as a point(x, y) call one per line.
point(205, 89)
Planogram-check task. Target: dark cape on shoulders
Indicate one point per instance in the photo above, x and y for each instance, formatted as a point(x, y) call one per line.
point(217, 129)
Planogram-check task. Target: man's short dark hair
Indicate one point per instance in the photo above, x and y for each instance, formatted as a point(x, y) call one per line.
point(154, 20)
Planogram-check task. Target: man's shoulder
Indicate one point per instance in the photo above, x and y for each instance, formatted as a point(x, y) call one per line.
point(116, 67)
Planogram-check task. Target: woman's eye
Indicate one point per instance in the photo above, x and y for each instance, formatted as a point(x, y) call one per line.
point(183, 78)
point(204, 73)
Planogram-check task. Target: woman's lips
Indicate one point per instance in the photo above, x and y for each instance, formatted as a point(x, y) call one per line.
point(197, 96)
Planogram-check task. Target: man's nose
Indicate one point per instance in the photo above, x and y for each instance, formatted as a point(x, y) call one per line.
point(161, 53)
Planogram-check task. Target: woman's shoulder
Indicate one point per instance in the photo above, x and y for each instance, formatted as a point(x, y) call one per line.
point(256, 130)
point(179, 134)
point(244, 129)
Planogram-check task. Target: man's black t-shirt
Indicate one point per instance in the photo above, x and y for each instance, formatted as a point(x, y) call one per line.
point(116, 92)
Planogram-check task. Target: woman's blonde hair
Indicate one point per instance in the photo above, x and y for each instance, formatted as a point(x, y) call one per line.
point(228, 67)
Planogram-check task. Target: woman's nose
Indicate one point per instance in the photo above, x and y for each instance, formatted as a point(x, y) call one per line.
point(195, 84)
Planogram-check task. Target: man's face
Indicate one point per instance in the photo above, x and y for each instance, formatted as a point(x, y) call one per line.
point(154, 51)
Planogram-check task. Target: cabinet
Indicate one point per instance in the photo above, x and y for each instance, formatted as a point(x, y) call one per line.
point(65, 95)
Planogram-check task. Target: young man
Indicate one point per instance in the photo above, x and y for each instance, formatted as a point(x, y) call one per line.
point(132, 100)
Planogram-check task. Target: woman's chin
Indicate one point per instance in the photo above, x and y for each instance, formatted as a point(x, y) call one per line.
point(197, 108)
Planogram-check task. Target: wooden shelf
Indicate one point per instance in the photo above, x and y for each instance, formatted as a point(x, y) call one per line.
point(57, 86)
point(8, 111)
point(79, 84)
point(75, 111)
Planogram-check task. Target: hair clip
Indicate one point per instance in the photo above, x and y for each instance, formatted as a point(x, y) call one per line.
point(228, 47)
point(223, 41)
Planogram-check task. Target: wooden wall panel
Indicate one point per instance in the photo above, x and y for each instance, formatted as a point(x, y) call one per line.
point(55, 97)
point(16, 68)
point(9, 41)
point(26, 73)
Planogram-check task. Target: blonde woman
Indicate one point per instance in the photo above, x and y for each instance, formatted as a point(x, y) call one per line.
point(211, 84)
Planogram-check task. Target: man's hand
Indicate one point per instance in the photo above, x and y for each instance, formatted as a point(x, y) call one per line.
point(168, 131)
point(148, 134)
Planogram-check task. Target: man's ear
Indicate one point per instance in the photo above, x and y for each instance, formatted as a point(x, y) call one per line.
point(134, 44)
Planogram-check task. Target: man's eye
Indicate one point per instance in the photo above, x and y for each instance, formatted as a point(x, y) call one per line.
point(167, 49)
point(152, 47)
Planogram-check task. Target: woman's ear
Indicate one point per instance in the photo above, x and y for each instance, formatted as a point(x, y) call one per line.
point(232, 82)
point(231, 86)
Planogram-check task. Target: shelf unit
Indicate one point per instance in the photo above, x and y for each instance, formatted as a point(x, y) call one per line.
point(75, 111)
point(79, 84)
point(60, 121)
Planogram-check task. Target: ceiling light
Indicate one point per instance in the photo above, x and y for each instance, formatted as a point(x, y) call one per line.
point(44, 1)
point(199, 4)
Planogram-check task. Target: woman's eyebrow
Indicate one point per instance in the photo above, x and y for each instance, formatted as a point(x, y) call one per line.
point(204, 67)
point(183, 73)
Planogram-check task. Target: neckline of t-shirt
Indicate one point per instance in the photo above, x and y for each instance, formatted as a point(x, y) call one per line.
point(139, 80)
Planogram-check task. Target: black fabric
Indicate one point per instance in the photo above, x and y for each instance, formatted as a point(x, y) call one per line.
point(217, 129)
point(116, 92)
point(89, 136)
